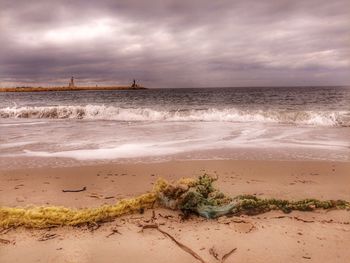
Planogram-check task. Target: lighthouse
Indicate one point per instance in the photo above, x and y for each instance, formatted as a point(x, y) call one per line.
point(71, 83)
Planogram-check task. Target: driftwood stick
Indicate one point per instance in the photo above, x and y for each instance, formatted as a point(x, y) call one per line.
point(182, 246)
point(303, 220)
point(224, 257)
point(214, 253)
point(294, 217)
point(74, 191)
point(48, 236)
point(114, 231)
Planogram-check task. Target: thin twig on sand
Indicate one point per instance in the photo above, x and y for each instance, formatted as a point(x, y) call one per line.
point(303, 220)
point(48, 236)
point(114, 231)
point(182, 246)
point(214, 253)
point(294, 217)
point(153, 215)
point(224, 257)
point(74, 191)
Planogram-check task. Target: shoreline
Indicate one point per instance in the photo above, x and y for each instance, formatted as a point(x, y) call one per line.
point(9, 161)
point(318, 236)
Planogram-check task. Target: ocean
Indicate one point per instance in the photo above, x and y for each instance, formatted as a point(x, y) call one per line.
point(277, 123)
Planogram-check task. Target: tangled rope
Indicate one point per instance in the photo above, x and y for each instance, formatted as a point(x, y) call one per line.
point(196, 196)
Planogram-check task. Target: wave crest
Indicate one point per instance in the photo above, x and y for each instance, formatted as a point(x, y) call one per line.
point(101, 112)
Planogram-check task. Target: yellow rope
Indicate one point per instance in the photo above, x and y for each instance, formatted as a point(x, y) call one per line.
point(41, 217)
point(46, 216)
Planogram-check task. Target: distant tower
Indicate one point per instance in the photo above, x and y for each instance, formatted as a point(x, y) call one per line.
point(134, 85)
point(71, 83)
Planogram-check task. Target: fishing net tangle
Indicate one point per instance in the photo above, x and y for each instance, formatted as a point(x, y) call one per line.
point(191, 196)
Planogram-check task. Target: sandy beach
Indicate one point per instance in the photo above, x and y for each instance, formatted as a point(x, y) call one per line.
point(320, 236)
point(174, 131)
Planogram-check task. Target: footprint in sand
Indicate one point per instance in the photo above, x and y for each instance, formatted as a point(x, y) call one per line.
point(242, 227)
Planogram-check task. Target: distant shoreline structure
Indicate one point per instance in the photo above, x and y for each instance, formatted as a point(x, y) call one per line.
point(71, 87)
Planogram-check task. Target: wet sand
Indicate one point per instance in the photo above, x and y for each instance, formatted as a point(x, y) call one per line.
point(320, 236)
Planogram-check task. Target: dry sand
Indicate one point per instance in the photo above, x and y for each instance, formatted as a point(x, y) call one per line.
point(321, 236)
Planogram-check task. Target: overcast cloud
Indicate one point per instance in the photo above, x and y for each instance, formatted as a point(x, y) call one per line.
point(175, 43)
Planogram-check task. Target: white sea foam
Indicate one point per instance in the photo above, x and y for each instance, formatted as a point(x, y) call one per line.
point(186, 139)
point(132, 150)
point(101, 112)
point(21, 123)
point(15, 144)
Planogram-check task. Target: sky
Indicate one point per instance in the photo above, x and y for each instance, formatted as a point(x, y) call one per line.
point(167, 44)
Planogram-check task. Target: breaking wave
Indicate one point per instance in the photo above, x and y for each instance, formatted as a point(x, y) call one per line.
point(100, 112)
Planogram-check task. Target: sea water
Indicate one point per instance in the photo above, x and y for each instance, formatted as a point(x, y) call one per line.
point(302, 123)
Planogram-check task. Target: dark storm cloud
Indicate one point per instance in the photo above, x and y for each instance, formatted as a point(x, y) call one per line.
point(176, 43)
